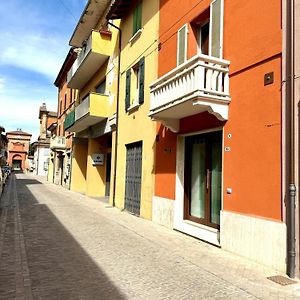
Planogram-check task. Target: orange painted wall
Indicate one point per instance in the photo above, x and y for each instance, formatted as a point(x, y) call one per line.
point(165, 174)
point(253, 166)
point(165, 163)
point(252, 43)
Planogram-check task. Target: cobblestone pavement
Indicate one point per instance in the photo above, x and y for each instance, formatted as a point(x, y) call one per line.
point(57, 244)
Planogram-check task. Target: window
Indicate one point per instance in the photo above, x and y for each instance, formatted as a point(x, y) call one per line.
point(65, 101)
point(60, 107)
point(137, 18)
point(100, 89)
point(204, 38)
point(182, 45)
point(135, 78)
point(71, 95)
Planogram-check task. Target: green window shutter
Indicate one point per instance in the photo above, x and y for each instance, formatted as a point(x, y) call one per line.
point(141, 79)
point(127, 94)
point(137, 18)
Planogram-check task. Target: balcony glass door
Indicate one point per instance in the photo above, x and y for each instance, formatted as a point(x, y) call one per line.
point(203, 178)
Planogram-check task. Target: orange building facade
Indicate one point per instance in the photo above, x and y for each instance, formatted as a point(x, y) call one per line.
point(217, 100)
point(18, 147)
point(61, 140)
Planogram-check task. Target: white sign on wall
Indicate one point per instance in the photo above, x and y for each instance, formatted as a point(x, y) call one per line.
point(98, 159)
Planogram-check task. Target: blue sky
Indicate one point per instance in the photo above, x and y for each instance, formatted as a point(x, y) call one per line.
point(34, 37)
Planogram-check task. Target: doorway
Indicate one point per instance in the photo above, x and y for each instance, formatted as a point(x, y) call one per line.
point(133, 178)
point(203, 178)
point(17, 164)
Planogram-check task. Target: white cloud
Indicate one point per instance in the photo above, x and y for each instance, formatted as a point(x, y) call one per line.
point(20, 109)
point(2, 85)
point(33, 52)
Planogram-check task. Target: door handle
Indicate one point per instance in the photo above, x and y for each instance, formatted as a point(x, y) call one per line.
point(207, 179)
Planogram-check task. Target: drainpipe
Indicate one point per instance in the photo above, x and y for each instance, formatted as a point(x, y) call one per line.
point(117, 110)
point(53, 169)
point(290, 134)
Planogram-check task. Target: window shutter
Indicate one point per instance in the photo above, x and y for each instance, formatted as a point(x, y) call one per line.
point(181, 45)
point(127, 94)
point(137, 17)
point(216, 29)
point(141, 79)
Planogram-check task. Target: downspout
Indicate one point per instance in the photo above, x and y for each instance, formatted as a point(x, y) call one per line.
point(117, 110)
point(290, 134)
point(71, 165)
point(53, 171)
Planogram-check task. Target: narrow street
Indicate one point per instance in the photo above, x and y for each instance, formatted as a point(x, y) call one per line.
point(56, 244)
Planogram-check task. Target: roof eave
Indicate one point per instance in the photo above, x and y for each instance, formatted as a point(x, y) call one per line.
point(94, 11)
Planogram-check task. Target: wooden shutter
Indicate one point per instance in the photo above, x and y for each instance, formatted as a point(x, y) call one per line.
point(181, 45)
point(216, 29)
point(137, 18)
point(127, 93)
point(141, 79)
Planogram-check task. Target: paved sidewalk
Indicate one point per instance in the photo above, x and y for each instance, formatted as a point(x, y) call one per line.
point(57, 244)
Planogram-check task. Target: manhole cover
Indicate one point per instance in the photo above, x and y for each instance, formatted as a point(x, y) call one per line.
point(281, 280)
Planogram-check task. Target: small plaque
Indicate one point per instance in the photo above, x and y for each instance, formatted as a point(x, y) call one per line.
point(98, 159)
point(269, 78)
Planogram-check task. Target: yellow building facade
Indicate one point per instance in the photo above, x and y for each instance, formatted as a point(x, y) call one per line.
point(114, 139)
point(94, 75)
point(136, 132)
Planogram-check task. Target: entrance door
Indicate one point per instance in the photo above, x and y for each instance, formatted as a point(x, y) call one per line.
point(133, 178)
point(203, 178)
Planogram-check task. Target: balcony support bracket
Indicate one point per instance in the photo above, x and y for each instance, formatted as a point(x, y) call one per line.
point(172, 124)
point(220, 110)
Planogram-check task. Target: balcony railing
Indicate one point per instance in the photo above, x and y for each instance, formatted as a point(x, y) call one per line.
point(199, 84)
point(58, 143)
point(92, 55)
point(92, 110)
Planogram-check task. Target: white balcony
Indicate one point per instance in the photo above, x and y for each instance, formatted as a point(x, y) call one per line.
point(58, 143)
point(200, 84)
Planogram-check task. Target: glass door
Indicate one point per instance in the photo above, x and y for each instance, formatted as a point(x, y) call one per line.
point(203, 178)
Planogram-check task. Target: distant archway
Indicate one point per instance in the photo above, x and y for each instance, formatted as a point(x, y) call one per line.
point(17, 162)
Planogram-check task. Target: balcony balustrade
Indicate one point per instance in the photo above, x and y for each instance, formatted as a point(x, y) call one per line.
point(89, 59)
point(200, 84)
point(92, 110)
point(58, 143)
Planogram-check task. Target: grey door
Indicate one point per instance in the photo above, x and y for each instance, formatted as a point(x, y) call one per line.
point(133, 178)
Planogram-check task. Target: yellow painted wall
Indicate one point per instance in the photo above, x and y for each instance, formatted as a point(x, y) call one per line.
point(79, 163)
point(136, 125)
point(89, 179)
point(111, 191)
point(95, 175)
point(50, 167)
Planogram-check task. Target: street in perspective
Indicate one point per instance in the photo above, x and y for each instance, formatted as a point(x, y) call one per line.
point(57, 244)
point(149, 149)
